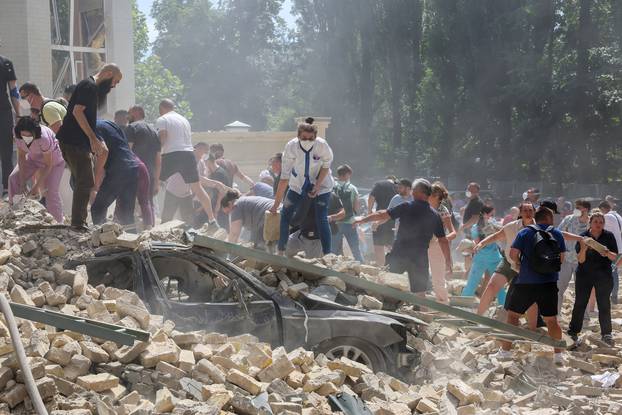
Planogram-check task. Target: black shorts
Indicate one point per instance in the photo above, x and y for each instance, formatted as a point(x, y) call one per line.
point(384, 235)
point(418, 273)
point(182, 162)
point(522, 296)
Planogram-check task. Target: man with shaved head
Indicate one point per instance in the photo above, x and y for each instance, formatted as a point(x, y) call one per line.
point(77, 137)
point(178, 155)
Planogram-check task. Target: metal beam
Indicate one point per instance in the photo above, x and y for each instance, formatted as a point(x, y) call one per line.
point(385, 291)
point(113, 332)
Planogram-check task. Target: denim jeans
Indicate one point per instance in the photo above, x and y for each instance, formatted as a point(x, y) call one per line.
point(350, 233)
point(121, 186)
point(291, 202)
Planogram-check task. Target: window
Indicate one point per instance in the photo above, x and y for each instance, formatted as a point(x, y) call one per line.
point(78, 40)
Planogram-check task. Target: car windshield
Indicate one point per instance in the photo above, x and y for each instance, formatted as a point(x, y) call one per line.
point(189, 281)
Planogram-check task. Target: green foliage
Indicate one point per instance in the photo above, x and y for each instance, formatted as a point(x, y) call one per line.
point(141, 33)
point(229, 52)
point(153, 83)
point(468, 90)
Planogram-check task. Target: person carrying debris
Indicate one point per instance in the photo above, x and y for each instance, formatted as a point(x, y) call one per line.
point(594, 272)
point(246, 212)
point(38, 156)
point(538, 251)
point(178, 156)
point(306, 170)
point(419, 222)
point(77, 137)
point(506, 270)
point(116, 176)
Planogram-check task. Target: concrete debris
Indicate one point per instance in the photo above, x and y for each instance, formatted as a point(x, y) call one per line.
point(201, 372)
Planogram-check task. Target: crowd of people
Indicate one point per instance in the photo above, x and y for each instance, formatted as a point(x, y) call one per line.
point(526, 260)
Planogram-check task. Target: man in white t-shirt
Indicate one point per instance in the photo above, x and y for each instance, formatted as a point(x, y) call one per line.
point(178, 155)
point(613, 223)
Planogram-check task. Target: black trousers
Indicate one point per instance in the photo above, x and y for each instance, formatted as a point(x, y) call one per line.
point(602, 282)
point(6, 146)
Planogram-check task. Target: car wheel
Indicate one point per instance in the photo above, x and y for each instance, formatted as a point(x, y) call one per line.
point(354, 349)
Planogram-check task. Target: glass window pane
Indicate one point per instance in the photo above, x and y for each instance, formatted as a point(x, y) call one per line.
point(60, 21)
point(61, 71)
point(87, 63)
point(89, 24)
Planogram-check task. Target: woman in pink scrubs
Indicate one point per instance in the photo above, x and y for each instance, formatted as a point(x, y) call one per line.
point(39, 158)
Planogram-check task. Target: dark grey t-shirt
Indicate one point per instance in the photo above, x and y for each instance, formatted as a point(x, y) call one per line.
point(251, 210)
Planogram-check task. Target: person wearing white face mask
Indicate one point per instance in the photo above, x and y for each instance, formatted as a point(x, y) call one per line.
point(576, 224)
point(38, 157)
point(306, 169)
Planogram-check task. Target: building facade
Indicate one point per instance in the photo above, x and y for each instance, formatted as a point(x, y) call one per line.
point(55, 43)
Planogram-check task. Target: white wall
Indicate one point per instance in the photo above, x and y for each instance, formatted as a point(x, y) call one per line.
point(26, 40)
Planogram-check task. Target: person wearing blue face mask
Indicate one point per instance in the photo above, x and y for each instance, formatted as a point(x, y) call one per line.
point(306, 170)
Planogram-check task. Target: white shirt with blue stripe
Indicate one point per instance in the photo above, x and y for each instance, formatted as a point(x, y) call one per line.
point(293, 167)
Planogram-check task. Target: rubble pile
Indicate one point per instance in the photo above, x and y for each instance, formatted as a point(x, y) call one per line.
point(210, 373)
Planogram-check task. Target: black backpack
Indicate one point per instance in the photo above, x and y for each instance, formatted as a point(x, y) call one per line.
point(545, 258)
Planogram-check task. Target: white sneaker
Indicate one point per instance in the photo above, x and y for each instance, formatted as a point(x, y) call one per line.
point(502, 354)
point(559, 359)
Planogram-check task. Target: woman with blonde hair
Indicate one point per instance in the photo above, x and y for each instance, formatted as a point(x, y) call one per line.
point(438, 200)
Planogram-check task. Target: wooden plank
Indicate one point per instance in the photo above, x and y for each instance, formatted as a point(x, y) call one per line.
point(363, 284)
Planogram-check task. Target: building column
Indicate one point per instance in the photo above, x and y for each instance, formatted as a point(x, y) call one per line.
point(120, 50)
point(26, 39)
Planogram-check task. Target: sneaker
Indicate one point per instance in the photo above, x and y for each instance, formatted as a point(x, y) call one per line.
point(502, 355)
point(608, 338)
point(559, 359)
point(574, 337)
point(212, 228)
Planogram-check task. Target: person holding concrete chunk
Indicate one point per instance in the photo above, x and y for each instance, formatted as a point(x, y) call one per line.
point(306, 170)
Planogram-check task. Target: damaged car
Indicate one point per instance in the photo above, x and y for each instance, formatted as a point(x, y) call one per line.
point(199, 290)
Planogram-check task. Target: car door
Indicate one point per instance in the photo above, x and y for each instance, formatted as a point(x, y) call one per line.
point(242, 311)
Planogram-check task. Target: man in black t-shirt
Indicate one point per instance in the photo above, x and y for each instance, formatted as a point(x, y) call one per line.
point(77, 136)
point(8, 82)
point(472, 209)
point(418, 223)
point(145, 143)
point(381, 195)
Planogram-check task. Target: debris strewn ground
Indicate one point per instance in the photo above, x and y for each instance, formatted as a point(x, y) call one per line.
point(211, 373)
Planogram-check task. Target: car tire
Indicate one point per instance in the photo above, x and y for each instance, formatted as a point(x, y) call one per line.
point(355, 349)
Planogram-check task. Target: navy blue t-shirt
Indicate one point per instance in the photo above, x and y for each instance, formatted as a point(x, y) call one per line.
point(418, 223)
point(524, 243)
point(120, 157)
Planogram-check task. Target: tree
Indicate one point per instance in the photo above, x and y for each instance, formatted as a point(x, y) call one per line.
point(141, 33)
point(231, 59)
point(153, 83)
